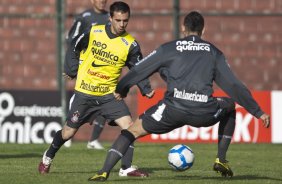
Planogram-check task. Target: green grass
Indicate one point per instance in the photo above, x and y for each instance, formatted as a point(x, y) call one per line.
point(251, 163)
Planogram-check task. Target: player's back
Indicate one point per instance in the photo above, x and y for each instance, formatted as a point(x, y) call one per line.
point(189, 69)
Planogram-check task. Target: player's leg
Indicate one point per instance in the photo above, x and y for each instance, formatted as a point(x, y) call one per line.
point(59, 139)
point(75, 118)
point(69, 142)
point(127, 169)
point(149, 122)
point(119, 148)
point(225, 133)
point(118, 111)
point(126, 160)
point(98, 126)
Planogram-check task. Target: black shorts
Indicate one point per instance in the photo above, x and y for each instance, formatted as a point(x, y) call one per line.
point(85, 108)
point(163, 118)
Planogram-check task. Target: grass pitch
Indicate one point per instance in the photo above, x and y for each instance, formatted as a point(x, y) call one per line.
point(251, 163)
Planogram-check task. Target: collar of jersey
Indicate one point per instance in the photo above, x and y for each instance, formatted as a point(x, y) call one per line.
point(109, 32)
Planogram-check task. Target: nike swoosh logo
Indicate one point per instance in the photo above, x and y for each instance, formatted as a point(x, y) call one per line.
point(95, 65)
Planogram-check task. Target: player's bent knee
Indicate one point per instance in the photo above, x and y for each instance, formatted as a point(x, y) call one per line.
point(68, 132)
point(124, 122)
point(137, 130)
point(232, 104)
point(228, 103)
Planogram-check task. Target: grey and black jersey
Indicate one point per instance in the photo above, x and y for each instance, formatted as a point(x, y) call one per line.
point(190, 66)
point(84, 21)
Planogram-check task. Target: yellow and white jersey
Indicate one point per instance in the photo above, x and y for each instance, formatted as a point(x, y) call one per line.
point(102, 62)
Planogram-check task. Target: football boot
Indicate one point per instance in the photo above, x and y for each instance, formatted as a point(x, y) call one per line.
point(223, 168)
point(99, 177)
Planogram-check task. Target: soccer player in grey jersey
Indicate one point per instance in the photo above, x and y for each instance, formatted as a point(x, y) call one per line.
point(189, 66)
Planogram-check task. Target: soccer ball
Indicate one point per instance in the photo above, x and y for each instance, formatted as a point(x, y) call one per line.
point(181, 157)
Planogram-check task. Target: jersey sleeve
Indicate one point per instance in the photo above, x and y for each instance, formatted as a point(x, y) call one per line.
point(75, 30)
point(229, 83)
point(73, 52)
point(134, 56)
point(142, 70)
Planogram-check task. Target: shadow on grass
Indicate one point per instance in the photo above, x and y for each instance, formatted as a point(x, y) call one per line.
point(115, 170)
point(188, 178)
point(234, 178)
point(26, 155)
point(243, 178)
point(176, 177)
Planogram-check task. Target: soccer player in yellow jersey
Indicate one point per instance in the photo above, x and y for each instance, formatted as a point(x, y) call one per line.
point(96, 15)
point(96, 59)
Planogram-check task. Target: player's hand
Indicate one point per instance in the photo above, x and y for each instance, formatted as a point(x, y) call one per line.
point(67, 77)
point(117, 96)
point(151, 94)
point(265, 120)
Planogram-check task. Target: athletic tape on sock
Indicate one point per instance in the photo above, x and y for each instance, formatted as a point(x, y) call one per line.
point(116, 151)
point(225, 136)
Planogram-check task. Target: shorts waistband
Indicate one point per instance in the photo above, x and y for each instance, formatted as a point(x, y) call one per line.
point(93, 97)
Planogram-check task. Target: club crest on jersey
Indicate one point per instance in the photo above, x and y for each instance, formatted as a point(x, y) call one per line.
point(75, 117)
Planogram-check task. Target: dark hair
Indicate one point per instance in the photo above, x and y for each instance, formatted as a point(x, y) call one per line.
point(119, 6)
point(194, 22)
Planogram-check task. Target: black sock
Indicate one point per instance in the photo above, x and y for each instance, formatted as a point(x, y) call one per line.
point(223, 147)
point(117, 150)
point(225, 132)
point(97, 130)
point(126, 160)
point(56, 144)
